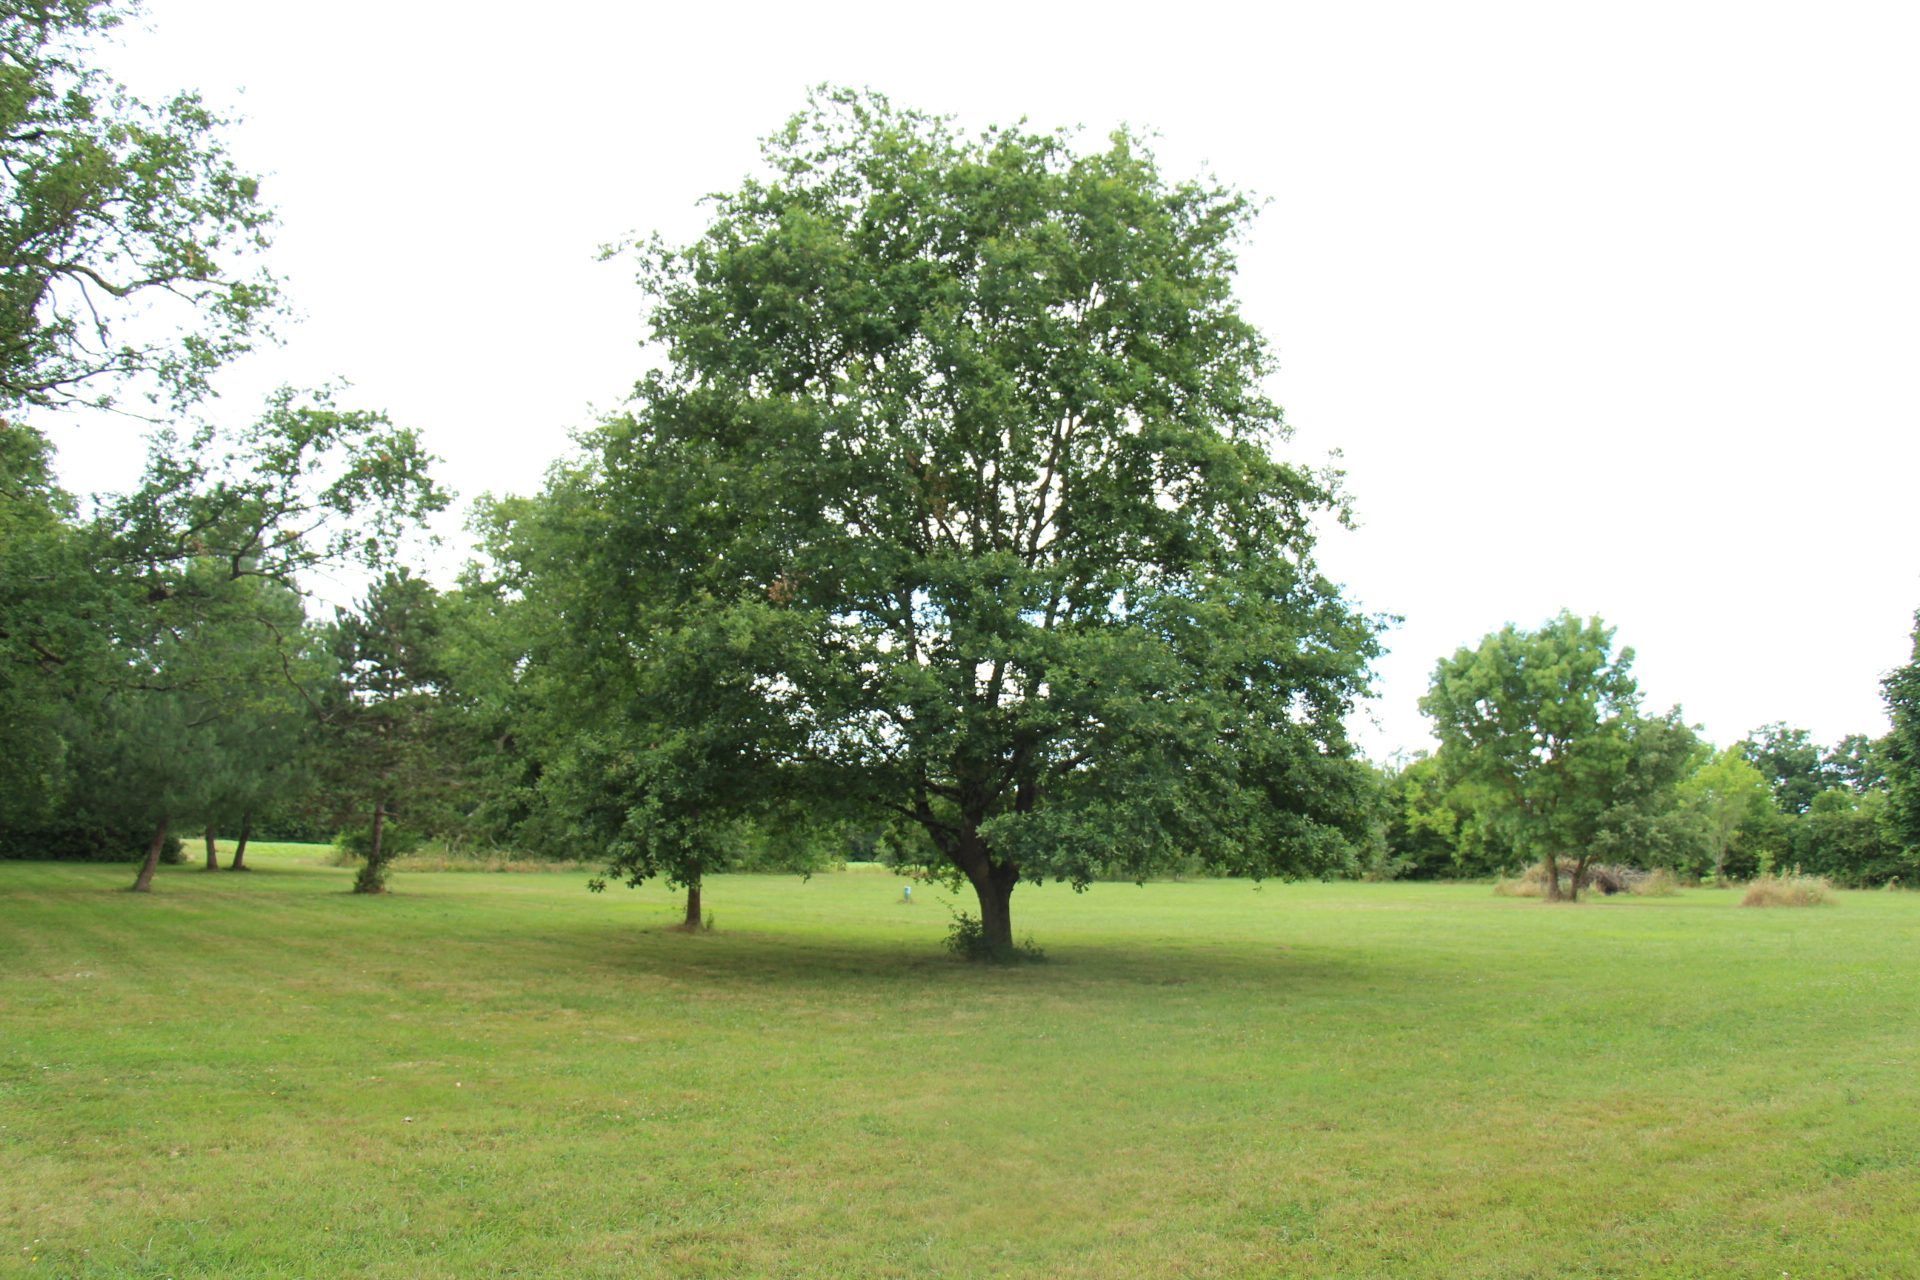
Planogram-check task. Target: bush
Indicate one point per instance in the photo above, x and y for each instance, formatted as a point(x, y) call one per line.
point(1850, 839)
point(1788, 891)
point(85, 842)
point(967, 938)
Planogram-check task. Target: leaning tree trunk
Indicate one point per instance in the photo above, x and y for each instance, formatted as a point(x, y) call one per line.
point(692, 919)
point(373, 876)
point(239, 862)
point(1550, 876)
point(213, 857)
point(143, 883)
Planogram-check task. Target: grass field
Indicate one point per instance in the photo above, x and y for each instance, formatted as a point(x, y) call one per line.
point(503, 1075)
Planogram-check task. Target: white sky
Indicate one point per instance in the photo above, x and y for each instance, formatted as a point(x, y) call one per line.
point(1610, 306)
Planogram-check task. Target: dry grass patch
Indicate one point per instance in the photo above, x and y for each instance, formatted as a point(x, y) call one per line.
point(1788, 891)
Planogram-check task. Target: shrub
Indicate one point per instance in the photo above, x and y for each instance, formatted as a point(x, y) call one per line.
point(967, 938)
point(87, 842)
point(1788, 891)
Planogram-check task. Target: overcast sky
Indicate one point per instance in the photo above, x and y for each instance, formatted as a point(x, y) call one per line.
point(1611, 307)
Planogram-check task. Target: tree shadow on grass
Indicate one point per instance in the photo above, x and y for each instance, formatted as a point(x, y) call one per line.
point(759, 958)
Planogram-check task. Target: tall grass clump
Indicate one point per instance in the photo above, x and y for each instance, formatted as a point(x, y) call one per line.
point(1788, 891)
point(1657, 883)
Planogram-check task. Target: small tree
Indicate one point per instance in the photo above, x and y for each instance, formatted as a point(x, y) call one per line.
point(652, 738)
point(1733, 804)
point(1542, 734)
point(382, 716)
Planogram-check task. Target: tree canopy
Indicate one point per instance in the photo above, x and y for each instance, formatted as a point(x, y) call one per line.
point(958, 498)
point(129, 240)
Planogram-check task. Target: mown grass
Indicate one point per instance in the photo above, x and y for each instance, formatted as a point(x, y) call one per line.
point(261, 1075)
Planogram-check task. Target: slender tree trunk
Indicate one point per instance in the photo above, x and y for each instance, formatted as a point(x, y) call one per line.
point(373, 876)
point(143, 883)
point(1573, 881)
point(1550, 876)
point(692, 920)
point(239, 862)
point(213, 857)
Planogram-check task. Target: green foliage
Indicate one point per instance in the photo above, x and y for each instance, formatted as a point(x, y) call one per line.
point(158, 651)
point(395, 841)
point(1859, 763)
point(1792, 762)
point(1433, 831)
point(957, 500)
point(1852, 838)
point(1542, 738)
point(1731, 803)
point(1901, 753)
point(130, 239)
point(383, 719)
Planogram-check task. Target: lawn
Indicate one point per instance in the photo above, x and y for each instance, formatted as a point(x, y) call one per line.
point(504, 1075)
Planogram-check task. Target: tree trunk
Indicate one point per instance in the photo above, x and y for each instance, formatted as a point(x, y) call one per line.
point(1550, 876)
point(143, 883)
point(995, 891)
point(993, 882)
point(213, 857)
point(692, 920)
point(373, 876)
point(239, 862)
point(1573, 881)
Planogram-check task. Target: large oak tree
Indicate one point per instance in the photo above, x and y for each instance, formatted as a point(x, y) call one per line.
point(958, 496)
